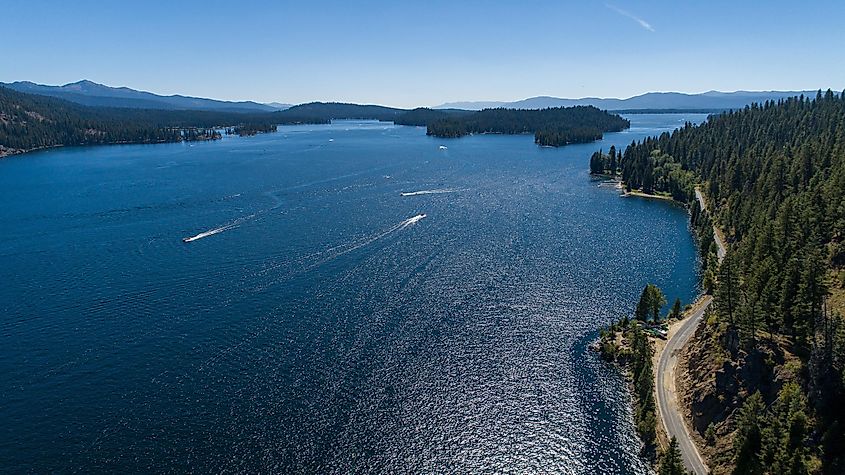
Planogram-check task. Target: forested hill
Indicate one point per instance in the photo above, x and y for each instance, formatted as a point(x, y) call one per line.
point(89, 93)
point(423, 116)
point(774, 175)
point(30, 121)
point(326, 111)
point(555, 126)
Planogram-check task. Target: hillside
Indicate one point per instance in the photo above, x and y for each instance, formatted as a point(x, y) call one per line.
point(765, 374)
point(29, 122)
point(89, 93)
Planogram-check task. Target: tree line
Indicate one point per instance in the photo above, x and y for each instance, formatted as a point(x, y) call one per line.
point(606, 164)
point(553, 126)
point(636, 354)
point(29, 121)
point(250, 129)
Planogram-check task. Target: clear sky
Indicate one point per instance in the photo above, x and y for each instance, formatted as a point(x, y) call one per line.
point(404, 53)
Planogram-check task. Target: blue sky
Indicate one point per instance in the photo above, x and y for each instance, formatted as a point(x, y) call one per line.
point(425, 52)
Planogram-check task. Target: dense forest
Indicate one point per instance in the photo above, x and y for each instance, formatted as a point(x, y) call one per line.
point(554, 126)
point(422, 116)
point(250, 129)
point(774, 177)
point(605, 163)
point(320, 112)
point(30, 121)
point(556, 135)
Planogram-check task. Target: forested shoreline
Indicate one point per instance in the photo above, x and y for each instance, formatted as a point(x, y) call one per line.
point(551, 127)
point(31, 122)
point(774, 175)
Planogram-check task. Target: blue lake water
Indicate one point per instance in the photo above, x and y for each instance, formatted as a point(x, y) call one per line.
point(320, 323)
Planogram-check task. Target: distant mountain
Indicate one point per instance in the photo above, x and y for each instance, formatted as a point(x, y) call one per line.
point(712, 100)
point(278, 106)
point(472, 105)
point(92, 94)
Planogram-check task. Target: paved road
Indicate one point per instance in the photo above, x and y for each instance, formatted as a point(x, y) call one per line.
point(667, 398)
point(721, 249)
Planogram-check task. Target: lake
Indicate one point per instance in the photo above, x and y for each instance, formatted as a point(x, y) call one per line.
point(355, 298)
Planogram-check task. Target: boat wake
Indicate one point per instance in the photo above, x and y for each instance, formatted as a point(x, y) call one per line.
point(429, 192)
point(338, 251)
point(212, 232)
point(412, 221)
point(309, 262)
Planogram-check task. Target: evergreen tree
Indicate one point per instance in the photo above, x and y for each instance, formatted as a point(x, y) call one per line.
point(748, 437)
point(676, 309)
point(671, 462)
point(612, 164)
point(644, 304)
point(774, 178)
point(656, 301)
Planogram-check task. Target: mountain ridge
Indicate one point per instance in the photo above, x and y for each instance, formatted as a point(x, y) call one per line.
point(90, 93)
point(650, 100)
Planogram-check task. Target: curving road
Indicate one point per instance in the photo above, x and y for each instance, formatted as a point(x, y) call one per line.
point(721, 248)
point(667, 398)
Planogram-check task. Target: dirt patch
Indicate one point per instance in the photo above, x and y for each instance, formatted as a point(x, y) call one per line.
point(715, 377)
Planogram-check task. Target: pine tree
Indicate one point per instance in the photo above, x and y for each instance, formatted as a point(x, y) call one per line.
point(656, 301)
point(748, 437)
point(644, 304)
point(612, 160)
point(671, 462)
point(676, 309)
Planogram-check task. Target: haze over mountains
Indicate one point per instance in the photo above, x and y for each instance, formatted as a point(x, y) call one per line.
point(89, 93)
point(651, 100)
point(93, 94)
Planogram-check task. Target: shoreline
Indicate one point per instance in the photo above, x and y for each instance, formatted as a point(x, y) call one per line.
point(620, 185)
point(672, 420)
point(671, 412)
point(11, 152)
point(640, 194)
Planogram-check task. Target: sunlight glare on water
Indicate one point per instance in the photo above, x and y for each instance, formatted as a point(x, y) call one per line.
point(352, 298)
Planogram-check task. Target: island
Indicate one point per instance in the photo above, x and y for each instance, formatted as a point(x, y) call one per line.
point(554, 126)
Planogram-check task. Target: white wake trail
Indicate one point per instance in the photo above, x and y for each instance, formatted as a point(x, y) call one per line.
point(338, 251)
point(429, 192)
point(317, 259)
point(412, 221)
point(212, 232)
